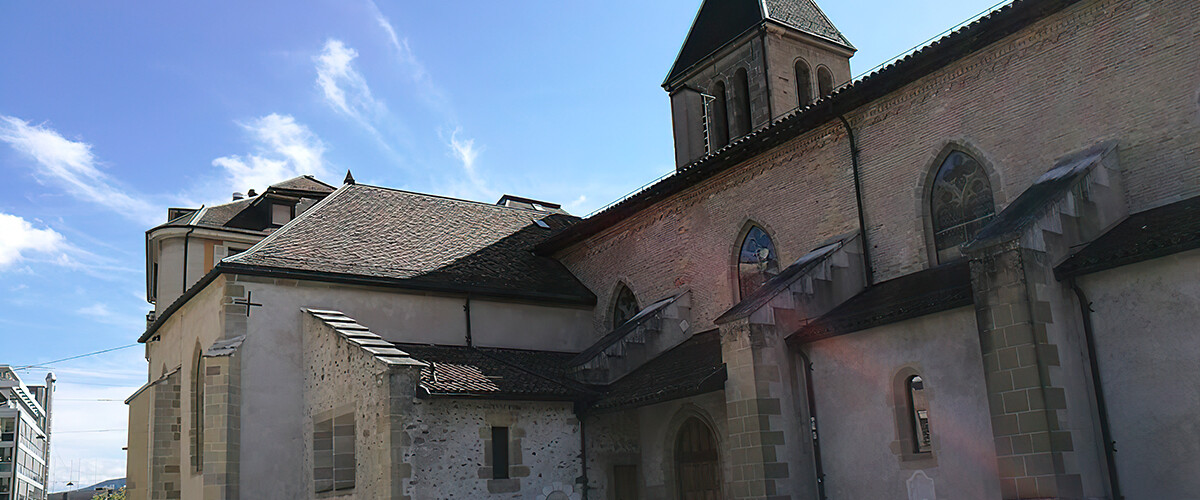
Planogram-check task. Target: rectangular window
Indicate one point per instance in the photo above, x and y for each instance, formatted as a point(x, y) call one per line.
point(334, 463)
point(499, 452)
point(280, 214)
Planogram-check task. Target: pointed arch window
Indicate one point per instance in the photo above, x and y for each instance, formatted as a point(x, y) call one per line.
point(757, 261)
point(961, 203)
point(824, 81)
point(625, 306)
point(718, 123)
point(803, 83)
point(741, 95)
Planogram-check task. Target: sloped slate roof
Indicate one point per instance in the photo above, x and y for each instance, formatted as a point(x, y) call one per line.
point(461, 371)
point(933, 290)
point(420, 241)
point(691, 368)
point(1146, 235)
point(304, 183)
point(721, 21)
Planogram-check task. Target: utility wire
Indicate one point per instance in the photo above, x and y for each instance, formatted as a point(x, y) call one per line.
point(40, 365)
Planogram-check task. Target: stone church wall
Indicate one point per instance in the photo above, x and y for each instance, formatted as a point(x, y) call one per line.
point(658, 426)
point(448, 445)
point(1094, 71)
point(855, 380)
point(1145, 330)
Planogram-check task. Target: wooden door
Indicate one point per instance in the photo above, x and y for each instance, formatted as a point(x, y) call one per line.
point(625, 482)
point(697, 466)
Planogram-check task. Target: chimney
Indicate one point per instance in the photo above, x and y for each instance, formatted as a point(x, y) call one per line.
point(251, 193)
point(238, 196)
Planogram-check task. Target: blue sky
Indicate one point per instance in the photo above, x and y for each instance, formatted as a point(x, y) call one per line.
point(112, 111)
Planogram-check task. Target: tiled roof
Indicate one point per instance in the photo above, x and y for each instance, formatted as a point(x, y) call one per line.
point(304, 183)
point(420, 241)
point(805, 16)
point(219, 215)
point(691, 368)
point(779, 283)
point(1150, 234)
point(910, 296)
point(461, 371)
point(719, 22)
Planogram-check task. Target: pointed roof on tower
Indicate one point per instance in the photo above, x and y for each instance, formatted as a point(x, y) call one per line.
point(721, 21)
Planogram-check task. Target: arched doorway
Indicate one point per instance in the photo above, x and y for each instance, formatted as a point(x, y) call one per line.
point(697, 468)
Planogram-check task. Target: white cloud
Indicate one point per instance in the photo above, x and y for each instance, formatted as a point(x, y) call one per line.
point(428, 90)
point(344, 87)
point(467, 154)
point(284, 149)
point(19, 239)
point(72, 165)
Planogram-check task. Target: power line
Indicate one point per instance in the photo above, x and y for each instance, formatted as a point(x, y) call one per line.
point(75, 357)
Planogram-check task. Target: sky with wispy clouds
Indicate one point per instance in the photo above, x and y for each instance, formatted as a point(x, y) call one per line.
point(110, 112)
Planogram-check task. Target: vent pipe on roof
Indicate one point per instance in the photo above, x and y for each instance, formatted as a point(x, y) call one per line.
point(238, 196)
point(251, 193)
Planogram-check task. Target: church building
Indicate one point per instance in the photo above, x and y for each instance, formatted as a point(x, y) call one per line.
point(974, 273)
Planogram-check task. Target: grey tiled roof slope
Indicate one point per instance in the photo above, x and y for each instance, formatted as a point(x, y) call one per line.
point(691, 368)
point(494, 373)
point(304, 183)
point(421, 241)
point(721, 21)
point(1146, 235)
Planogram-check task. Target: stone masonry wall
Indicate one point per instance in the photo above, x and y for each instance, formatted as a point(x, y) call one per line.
point(447, 444)
point(340, 377)
point(166, 431)
point(1101, 69)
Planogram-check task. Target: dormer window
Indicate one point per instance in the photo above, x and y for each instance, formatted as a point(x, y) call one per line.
point(280, 214)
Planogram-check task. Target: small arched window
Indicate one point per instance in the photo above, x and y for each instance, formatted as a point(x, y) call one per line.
point(803, 83)
point(757, 261)
point(625, 306)
point(718, 123)
point(961, 203)
point(824, 81)
point(918, 408)
point(198, 412)
point(741, 91)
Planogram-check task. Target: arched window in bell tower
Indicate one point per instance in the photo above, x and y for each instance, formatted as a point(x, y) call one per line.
point(718, 122)
point(824, 81)
point(803, 83)
point(741, 96)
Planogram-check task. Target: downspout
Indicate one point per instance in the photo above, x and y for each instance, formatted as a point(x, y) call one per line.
point(818, 467)
point(467, 311)
point(186, 238)
point(1110, 446)
point(766, 76)
point(858, 198)
point(583, 478)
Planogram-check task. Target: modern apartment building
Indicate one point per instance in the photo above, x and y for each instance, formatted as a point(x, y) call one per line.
point(24, 436)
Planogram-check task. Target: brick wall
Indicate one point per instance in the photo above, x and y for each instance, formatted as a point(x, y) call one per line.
point(1122, 69)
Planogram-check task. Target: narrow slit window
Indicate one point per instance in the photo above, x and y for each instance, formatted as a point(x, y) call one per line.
point(919, 408)
point(499, 452)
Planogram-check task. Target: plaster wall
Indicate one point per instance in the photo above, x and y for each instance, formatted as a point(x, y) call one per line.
point(658, 428)
point(854, 377)
point(137, 466)
point(612, 440)
point(1145, 332)
point(802, 191)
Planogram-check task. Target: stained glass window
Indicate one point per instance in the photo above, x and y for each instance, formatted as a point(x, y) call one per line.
point(757, 261)
point(625, 307)
point(961, 203)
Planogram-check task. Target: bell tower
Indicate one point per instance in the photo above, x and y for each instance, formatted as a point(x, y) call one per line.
point(745, 63)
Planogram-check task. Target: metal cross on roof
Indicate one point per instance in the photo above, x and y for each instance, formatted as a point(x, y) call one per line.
point(248, 302)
